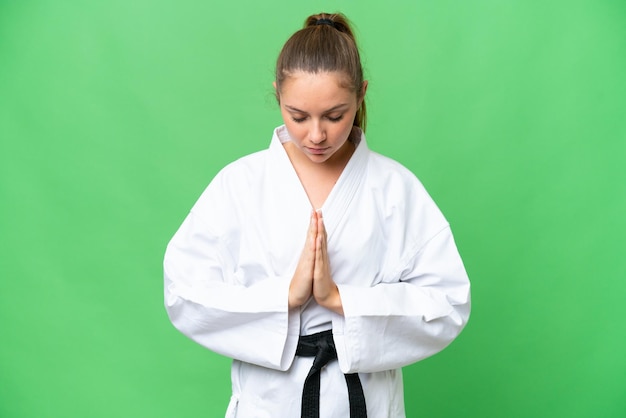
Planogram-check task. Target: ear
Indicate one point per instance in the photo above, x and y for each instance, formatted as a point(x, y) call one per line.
point(276, 92)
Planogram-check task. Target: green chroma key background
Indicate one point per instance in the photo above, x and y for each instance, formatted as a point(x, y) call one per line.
point(115, 115)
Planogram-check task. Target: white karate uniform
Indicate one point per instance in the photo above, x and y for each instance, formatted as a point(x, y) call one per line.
point(404, 290)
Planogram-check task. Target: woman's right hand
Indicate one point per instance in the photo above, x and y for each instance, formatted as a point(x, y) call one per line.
point(301, 286)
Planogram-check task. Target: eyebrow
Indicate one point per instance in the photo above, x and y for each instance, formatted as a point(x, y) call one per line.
point(332, 109)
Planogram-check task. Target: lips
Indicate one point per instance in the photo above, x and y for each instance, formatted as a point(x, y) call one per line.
point(317, 151)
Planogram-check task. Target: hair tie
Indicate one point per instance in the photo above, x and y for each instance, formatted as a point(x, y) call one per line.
point(325, 21)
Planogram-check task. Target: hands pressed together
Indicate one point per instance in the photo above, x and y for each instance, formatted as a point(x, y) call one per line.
point(312, 276)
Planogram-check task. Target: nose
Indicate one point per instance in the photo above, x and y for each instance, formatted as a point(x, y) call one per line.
point(317, 134)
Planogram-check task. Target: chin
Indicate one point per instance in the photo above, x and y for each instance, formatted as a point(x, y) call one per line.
point(316, 158)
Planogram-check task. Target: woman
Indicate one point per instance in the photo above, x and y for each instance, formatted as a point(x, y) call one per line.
point(318, 265)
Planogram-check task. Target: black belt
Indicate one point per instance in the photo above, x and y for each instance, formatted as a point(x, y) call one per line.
point(322, 347)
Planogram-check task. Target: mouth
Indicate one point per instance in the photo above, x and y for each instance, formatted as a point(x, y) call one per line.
point(317, 151)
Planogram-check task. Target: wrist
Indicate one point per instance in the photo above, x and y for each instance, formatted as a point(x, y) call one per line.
point(332, 301)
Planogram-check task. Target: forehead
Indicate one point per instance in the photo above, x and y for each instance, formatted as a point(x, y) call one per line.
point(324, 89)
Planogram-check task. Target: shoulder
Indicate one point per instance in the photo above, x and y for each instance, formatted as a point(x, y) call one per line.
point(400, 195)
point(231, 185)
point(242, 169)
point(238, 175)
point(391, 175)
point(252, 166)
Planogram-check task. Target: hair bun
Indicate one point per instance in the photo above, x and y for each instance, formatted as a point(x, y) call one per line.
point(335, 20)
point(325, 21)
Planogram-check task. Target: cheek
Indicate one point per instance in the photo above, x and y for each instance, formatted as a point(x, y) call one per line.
point(296, 131)
point(292, 127)
point(343, 129)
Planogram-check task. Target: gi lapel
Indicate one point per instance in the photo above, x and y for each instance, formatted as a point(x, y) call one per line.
point(287, 184)
point(335, 208)
point(287, 207)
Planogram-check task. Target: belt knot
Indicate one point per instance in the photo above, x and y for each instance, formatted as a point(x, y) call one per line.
point(322, 347)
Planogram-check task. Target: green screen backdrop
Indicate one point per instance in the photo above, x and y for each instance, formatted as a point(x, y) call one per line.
point(114, 116)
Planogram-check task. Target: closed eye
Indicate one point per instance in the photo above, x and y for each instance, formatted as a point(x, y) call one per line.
point(335, 119)
point(304, 115)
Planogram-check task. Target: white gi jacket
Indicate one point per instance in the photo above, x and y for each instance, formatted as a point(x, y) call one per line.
point(404, 290)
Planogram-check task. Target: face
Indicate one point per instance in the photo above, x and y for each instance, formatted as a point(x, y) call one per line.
point(318, 111)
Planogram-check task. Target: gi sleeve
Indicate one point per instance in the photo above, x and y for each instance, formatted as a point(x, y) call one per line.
point(393, 324)
point(208, 304)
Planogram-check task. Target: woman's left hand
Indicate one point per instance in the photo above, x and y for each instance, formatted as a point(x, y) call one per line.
point(325, 290)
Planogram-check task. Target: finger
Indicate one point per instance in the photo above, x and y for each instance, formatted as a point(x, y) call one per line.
point(319, 252)
point(321, 232)
point(321, 271)
point(319, 224)
point(313, 230)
